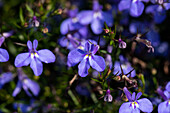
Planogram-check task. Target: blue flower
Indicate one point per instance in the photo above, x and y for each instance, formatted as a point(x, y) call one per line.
point(126, 67)
point(134, 105)
point(87, 58)
point(164, 107)
point(136, 7)
point(158, 10)
point(96, 17)
point(27, 84)
point(5, 78)
point(34, 58)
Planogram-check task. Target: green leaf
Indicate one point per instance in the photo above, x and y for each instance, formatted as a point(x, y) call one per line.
point(21, 16)
point(96, 80)
point(30, 10)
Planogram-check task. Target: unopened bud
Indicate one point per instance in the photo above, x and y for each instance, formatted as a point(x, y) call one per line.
point(45, 30)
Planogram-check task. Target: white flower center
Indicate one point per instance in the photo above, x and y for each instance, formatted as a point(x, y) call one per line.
point(135, 105)
point(75, 19)
point(97, 15)
point(34, 54)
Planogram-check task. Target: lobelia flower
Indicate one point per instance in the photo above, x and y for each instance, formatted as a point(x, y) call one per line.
point(108, 97)
point(5, 78)
point(34, 58)
point(134, 105)
point(96, 18)
point(164, 107)
point(158, 10)
point(87, 58)
point(122, 44)
point(73, 24)
point(35, 22)
point(5, 35)
point(135, 7)
point(27, 84)
point(126, 67)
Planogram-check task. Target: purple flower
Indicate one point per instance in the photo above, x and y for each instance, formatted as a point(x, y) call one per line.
point(164, 107)
point(35, 22)
point(4, 56)
point(72, 24)
point(158, 10)
point(96, 17)
point(34, 58)
point(87, 58)
point(126, 67)
point(134, 105)
point(5, 35)
point(122, 44)
point(5, 78)
point(27, 84)
point(108, 97)
point(136, 7)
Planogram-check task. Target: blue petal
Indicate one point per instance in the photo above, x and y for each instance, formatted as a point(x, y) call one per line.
point(35, 44)
point(145, 105)
point(168, 87)
point(125, 108)
point(46, 56)
point(167, 6)
point(65, 26)
point(2, 39)
point(36, 66)
point(108, 18)
point(83, 67)
point(26, 89)
point(133, 95)
point(75, 56)
point(97, 62)
point(17, 89)
point(138, 95)
point(29, 44)
point(85, 17)
point(33, 86)
point(6, 77)
point(7, 34)
point(4, 56)
point(136, 8)
point(22, 59)
point(124, 4)
point(164, 107)
point(97, 26)
point(94, 48)
point(127, 93)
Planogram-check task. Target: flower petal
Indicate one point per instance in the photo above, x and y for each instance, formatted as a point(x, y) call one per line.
point(94, 48)
point(33, 86)
point(35, 44)
point(163, 108)
point(46, 56)
point(29, 44)
point(168, 87)
point(2, 39)
point(7, 34)
point(4, 56)
point(124, 4)
point(136, 8)
point(66, 26)
point(133, 95)
point(138, 95)
point(83, 67)
point(22, 59)
point(108, 18)
point(145, 105)
point(36, 66)
point(97, 26)
point(125, 108)
point(75, 56)
point(97, 62)
point(127, 93)
point(17, 89)
point(85, 17)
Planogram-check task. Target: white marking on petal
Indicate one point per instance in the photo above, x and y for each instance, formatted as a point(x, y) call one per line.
point(97, 15)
